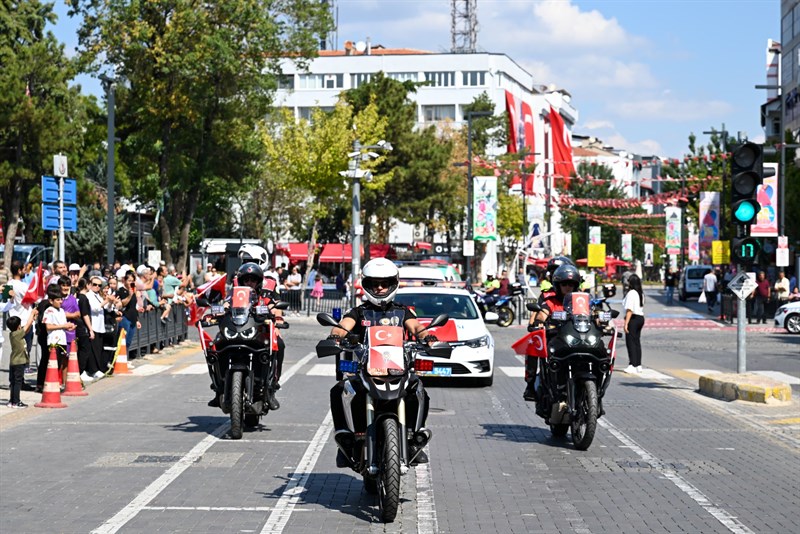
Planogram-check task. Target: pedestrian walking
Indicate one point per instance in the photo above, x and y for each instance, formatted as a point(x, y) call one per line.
point(318, 291)
point(19, 357)
point(710, 285)
point(633, 303)
point(669, 285)
point(761, 295)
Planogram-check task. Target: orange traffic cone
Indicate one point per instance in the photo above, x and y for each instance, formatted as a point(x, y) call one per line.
point(51, 395)
point(74, 386)
point(121, 359)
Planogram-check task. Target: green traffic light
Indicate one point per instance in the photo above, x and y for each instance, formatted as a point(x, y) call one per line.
point(745, 212)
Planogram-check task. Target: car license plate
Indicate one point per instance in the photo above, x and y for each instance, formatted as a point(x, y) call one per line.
point(443, 371)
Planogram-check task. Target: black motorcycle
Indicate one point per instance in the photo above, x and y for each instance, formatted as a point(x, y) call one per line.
point(576, 370)
point(383, 369)
point(242, 357)
point(494, 303)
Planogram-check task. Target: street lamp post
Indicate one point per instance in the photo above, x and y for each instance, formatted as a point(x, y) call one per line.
point(109, 85)
point(470, 223)
point(354, 172)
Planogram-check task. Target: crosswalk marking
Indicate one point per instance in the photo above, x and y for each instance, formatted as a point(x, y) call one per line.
point(149, 369)
point(194, 369)
point(322, 369)
point(513, 372)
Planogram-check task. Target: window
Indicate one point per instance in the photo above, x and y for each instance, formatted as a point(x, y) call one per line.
point(334, 81)
point(441, 79)
point(438, 113)
point(359, 78)
point(306, 113)
point(796, 17)
point(404, 76)
point(309, 81)
point(473, 78)
point(788, 67)
point(286, 81)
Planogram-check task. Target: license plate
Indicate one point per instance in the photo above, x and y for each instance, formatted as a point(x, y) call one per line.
point(443, 371)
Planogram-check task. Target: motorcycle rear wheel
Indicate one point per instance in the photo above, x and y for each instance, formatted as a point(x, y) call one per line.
point(389, 477)
point(506, 316)
point(584, 424)
point(237, 405)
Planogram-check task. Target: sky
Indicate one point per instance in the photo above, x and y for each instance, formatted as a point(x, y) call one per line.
point(643, 74)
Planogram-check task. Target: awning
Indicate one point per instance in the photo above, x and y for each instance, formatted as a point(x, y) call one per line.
point(381, 250)
point(336, 253)
point(422, 245)
point(295, 251)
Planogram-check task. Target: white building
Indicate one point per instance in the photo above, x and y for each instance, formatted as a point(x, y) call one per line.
point(455, 81)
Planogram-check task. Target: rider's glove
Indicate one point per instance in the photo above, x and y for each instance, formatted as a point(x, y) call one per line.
point(429, 339)
point(335, 337)
point(536, 325)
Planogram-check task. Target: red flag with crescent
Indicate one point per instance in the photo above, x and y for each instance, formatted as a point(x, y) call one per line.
point(533, 344)
point(385, 350)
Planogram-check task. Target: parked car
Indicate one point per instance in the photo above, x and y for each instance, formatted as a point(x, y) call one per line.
point(26, 252)
point(690, 283)
point(419, 272)
point(788, 317)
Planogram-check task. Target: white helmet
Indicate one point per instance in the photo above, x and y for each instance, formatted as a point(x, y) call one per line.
point(383, 271)
point(253, 253)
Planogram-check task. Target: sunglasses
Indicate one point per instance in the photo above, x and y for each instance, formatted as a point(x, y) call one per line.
point(375, 283)
point(95, 284)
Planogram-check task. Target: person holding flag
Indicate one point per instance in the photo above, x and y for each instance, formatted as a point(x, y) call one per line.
point(25, 296)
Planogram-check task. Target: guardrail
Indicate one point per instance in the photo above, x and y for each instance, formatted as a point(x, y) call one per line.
point(155, 335)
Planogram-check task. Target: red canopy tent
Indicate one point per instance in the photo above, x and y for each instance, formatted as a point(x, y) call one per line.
point(611, 261)
point(294, 251)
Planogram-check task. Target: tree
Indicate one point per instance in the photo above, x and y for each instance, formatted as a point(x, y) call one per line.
point(201, 76)
point(88, 244)
point(40, 115)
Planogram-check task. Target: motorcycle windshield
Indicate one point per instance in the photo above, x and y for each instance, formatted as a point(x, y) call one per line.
point(240, 304)
point(578, 306)
point(385, 350)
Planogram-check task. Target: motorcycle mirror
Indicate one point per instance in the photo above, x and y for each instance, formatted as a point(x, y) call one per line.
point(202, 301)
point(614, 314)
point(491, 317)
point(281, 305)
point(282, 325)
point(326, 320)
point(327, 347)
point(439, 320)
point(533, 306)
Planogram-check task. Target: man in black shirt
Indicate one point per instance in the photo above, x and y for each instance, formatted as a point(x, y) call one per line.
point(126, 293)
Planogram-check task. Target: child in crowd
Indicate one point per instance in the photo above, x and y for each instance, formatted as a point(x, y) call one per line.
point(19, 357)
point(318, 291)
point(56, 324)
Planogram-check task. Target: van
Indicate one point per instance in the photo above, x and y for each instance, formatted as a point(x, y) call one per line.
point(27, 252)
point(691, 281)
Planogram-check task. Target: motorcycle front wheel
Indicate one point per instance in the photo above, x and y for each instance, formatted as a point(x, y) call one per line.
point(584, 423)
point(237, 405)
point(389, 477)
point(506, 316)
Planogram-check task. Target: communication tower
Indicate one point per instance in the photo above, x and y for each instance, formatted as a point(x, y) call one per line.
point(463, 26)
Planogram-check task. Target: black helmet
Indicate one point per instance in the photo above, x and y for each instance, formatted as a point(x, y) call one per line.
point(566, 273)
point(250, 274)
point(557, 262)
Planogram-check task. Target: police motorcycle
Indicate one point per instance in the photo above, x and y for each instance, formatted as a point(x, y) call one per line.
point(494, 303)
point(381, 443)
point(576, 366)
point(241, 358)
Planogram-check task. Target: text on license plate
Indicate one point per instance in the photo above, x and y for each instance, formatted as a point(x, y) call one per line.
point(443, 371)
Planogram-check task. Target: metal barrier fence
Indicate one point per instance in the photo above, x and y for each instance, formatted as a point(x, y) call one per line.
point(326, 303)
point(155, 334)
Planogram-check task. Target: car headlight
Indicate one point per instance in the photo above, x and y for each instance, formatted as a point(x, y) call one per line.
point(783, 309)
point(250, 333)
point(482, 341)
point(227, 333)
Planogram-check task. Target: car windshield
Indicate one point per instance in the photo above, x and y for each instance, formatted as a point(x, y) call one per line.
point(695, 274)
point(429, 305)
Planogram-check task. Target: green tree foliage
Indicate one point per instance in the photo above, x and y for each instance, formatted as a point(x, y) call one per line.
point(487, 132)
point(89, 243)
point(200, 77)
point(419, 183)
point(40, 115)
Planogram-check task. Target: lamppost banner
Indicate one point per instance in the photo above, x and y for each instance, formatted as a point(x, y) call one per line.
point(709, 220)
point(627, 247)
point(767, 197)
point(594, 235)
point(673, 240)
point(648, 254)
point(694, 247)
point(485, 208)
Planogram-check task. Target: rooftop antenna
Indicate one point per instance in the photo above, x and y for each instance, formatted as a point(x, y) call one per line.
point(463, 26)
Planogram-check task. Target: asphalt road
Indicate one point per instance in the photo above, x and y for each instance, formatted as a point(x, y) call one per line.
point(144, 453)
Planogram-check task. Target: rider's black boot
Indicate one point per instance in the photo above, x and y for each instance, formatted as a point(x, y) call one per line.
point(530, 392)
point(214, 403)
point(273, 402)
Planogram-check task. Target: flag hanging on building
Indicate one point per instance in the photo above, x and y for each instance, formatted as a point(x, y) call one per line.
point(485, 208)
point(511, 109)
point(562, 148)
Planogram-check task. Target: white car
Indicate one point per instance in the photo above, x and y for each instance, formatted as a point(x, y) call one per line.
point(473, 345)
point(788, 316)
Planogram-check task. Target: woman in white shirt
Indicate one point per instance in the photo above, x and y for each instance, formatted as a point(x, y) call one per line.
point(634, 321)
point(97, 302)
point(294, 283)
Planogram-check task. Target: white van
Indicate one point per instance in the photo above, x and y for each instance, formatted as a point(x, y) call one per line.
point(691, 281)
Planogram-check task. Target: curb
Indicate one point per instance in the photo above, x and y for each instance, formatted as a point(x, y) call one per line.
point(745, 387)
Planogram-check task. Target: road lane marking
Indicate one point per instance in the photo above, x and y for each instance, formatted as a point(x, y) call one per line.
point(727, 520)
point(322, 369)
point(193, 369)
point(218, 508)
point(149, 369)
point(160, 484)
point(294, 488)
point(426, 507)
point(513, 372)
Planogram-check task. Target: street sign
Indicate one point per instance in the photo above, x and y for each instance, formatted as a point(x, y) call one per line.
point(50, 218)
point(50, 190)
point(468, 248)
point(742, 285)
point(60, 165)
point(720, 252)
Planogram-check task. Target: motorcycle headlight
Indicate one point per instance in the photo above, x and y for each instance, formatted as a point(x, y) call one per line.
point(482, 341)
point(572, 340)
point(591, 340)
point(227, 333)
point(250, 333)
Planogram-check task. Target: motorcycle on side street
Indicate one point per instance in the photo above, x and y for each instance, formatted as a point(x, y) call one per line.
point(494, 303)
point(382, 374)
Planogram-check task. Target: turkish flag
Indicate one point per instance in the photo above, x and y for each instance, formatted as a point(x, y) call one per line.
point(385, 336)
point(35, 291)
point(532, 344)
point(216, 284)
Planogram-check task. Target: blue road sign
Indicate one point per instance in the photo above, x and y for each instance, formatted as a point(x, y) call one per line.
point(50, 191)
point(50, 217)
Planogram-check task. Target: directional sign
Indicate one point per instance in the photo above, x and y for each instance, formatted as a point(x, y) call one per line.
point(742, 285)
point(50, 190)
point(50, 218)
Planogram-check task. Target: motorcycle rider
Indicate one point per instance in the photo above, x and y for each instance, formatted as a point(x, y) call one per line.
point(546, 285)
point(252, 276)
point(565, 279)
point(380, 280)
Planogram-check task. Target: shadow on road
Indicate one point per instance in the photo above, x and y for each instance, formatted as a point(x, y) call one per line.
point(342, 492)
point(523, 434)
point(203, 423)
point(651, 385)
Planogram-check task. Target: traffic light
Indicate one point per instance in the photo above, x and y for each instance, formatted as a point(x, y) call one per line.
point(747, 171)
point(745, 249)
